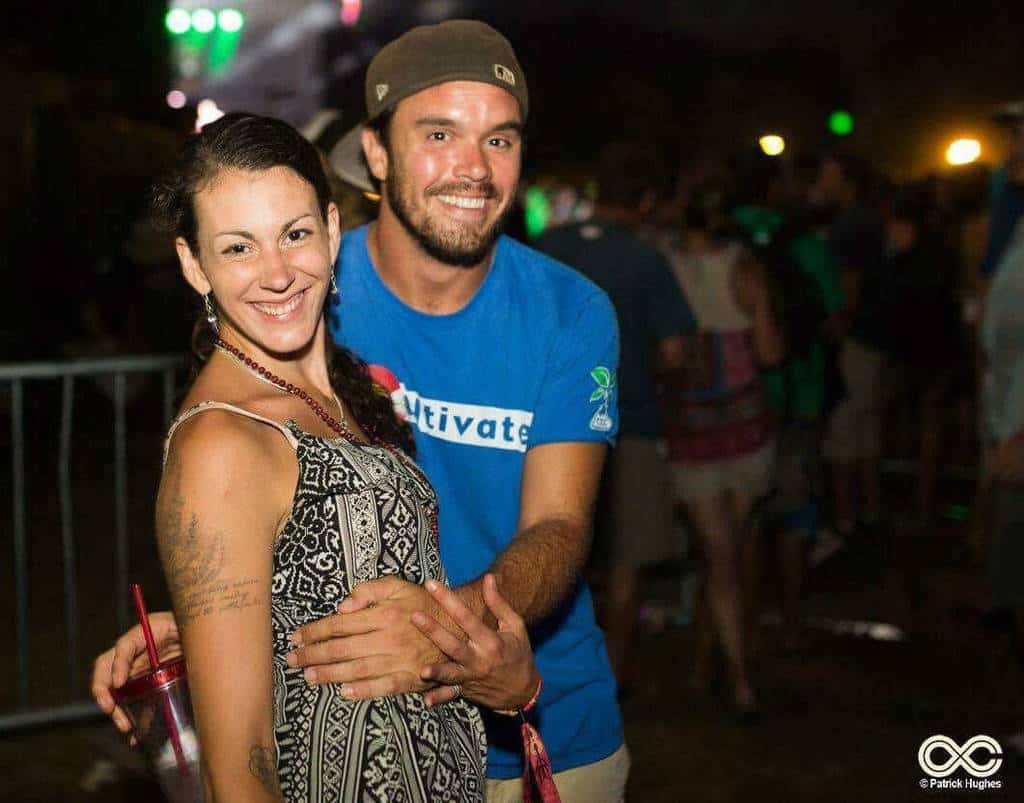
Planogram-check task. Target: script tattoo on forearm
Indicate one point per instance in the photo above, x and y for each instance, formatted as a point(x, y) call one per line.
point(263, 766)
point(193, 561)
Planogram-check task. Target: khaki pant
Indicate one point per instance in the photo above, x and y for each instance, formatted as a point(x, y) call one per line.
point(603, 781)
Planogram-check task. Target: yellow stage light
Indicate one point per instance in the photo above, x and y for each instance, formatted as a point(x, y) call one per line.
point(772, 144)
point(963, 151)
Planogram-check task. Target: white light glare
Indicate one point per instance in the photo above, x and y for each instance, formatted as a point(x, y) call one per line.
point(176, 99)
point(203, 20)
point(206, 112)
point(230, 20)
point(178, 20)
point(963, 151)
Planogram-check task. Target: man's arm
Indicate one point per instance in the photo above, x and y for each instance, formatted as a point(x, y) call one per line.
point(541, 565)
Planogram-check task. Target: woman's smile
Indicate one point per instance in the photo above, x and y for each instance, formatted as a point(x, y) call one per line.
point(282, 311)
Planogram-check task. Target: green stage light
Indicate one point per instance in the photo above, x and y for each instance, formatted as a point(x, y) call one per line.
point(230, 20)
point(840, 123)
point(178, 21)
point(204, 20)
point(222, 50)
point(537, 209)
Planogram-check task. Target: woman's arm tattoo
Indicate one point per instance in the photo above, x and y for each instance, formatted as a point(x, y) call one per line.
point(263, 766)
point(193, 560)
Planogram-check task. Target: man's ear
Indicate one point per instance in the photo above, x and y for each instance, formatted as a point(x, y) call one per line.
point(190, 267)
point(376, 154)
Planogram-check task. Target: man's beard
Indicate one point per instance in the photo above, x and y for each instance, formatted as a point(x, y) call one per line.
point(456, 248)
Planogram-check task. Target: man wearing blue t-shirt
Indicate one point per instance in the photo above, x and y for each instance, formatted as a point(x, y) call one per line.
point(504, 363)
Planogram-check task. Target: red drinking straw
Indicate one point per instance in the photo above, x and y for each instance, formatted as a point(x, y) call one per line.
point(147, 631)
point(154, 664)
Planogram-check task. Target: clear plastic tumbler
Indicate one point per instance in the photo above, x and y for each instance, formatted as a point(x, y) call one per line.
point(158, 705)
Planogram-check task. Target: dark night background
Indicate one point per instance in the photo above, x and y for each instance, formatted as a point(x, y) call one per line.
point(908, 71)
point(86, 123)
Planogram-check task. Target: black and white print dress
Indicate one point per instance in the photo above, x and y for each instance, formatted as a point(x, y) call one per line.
point(360, 512)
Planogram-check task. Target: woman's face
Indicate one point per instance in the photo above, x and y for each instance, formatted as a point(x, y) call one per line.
point(267, 255)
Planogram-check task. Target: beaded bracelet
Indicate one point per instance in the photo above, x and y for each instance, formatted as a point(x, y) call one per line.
point(533, 701)
point(536, 762)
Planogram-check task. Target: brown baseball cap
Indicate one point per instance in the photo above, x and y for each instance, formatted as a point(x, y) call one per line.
point(456, 50)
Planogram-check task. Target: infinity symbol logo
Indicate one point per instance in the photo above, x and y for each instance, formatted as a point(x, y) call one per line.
point(960, 756)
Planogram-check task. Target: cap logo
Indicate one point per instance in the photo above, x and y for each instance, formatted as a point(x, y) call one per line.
point(382, 90)
point(503, 73)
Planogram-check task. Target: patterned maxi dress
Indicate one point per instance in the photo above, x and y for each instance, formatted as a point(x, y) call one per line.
point(359, 512)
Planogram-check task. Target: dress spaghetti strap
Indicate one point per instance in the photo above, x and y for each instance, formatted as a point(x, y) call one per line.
point(215, 405)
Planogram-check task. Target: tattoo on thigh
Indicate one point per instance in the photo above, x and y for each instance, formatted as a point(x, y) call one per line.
point(263, 766)
point(193, 560)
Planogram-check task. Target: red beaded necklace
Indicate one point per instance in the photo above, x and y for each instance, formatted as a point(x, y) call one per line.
point(340, 427)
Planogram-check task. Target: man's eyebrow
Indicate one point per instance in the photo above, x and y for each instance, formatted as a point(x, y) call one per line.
point(249, 235)
point(441, 122)
point(508, 125)
point(447, 122)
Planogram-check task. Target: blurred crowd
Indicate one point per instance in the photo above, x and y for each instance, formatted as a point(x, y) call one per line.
point(788, 325)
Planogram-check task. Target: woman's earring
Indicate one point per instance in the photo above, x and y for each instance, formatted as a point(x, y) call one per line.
point(335, 292)
point(211, 316)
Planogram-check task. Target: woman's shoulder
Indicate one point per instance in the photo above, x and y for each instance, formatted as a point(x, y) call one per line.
point(215, 443)
point(218, 443)
point(213, 416)
point(227, 469)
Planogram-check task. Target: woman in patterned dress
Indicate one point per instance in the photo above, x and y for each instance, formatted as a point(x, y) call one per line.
point(287, 481)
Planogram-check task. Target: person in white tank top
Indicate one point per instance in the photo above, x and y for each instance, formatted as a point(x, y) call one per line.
point(719, 426)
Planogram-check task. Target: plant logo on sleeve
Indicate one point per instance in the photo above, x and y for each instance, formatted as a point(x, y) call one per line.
point(605, 379)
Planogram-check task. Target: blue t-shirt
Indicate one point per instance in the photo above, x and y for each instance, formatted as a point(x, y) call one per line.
point(531, 359)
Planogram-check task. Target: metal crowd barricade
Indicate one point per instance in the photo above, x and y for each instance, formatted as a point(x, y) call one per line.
point(13, 377)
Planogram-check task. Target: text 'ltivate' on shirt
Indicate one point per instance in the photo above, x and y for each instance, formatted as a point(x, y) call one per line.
point(471, 424)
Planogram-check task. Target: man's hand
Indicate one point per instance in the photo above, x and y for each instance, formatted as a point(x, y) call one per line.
point(127, 658)
point(371, 646)
point(493, 668)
